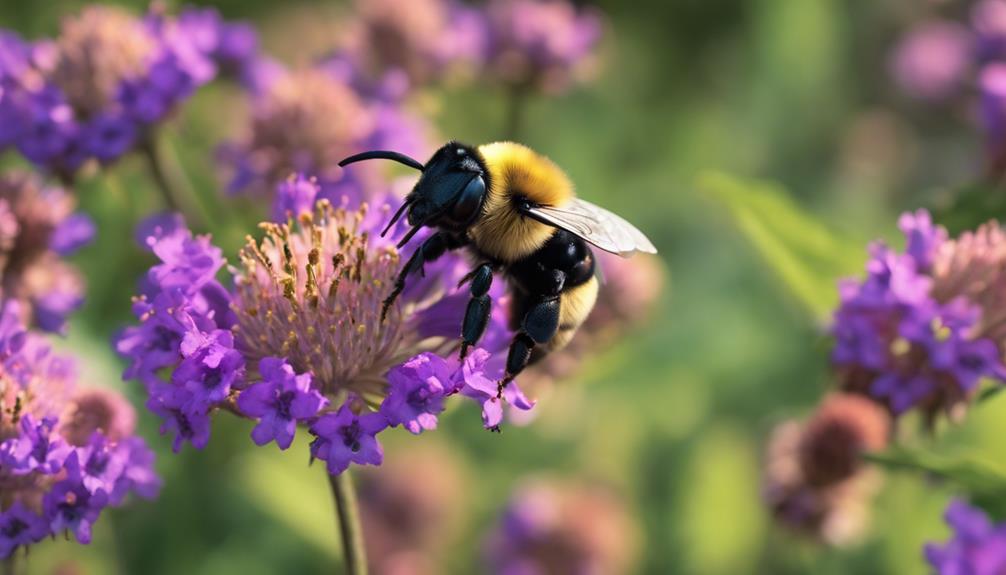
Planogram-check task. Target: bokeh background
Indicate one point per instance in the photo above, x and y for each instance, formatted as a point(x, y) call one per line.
point(673, 417)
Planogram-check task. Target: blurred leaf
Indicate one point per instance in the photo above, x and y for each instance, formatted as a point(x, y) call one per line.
point(976, 476)
point(971, 206)
point(808, 256)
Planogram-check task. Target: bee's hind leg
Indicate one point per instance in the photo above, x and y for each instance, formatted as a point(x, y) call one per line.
point(479, 306)
point(540, 324)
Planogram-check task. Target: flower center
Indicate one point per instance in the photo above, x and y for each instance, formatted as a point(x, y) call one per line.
point(351, 436)
point(14, 528)
point(312, 292)
point(283, 404)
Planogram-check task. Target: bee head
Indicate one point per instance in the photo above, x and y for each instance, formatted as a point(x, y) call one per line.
point(449, 193)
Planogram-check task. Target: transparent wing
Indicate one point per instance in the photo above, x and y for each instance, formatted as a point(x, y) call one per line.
point(596, 225)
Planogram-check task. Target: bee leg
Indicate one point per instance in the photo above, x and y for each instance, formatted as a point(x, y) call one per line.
point(540, 324)
point(479, 307)
point(430, 250)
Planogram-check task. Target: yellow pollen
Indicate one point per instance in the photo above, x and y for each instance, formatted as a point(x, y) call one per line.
point(900, 346)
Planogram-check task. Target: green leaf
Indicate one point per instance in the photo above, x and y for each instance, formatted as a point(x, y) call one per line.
point(808, 256)
point(972, 205)
point(976, 476)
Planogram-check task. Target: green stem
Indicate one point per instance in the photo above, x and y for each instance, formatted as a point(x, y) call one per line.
point(170, 180)
point(10, 564)
point(354, 552)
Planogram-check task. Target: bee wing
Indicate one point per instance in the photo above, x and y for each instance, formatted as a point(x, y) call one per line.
point(596, 225)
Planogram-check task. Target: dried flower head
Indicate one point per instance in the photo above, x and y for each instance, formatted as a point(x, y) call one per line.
point(63, 459)
point(562, 527)
point(37, 228)
point(834, 439)
point(908, 343)
point(809, 492)
point(298, 340)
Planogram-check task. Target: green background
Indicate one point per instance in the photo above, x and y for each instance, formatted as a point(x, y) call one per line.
point(675, 416)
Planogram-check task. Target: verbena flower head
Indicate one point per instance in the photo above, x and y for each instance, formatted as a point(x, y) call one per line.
point(38, 227)
point(297, 338)
point(977, 547)
point(814, 482)
point(422, 40)
point(561, 527)
point(546, 44)
point(305, 121)
point(910, 336)
point(412, 508)
point(65, 453)
point(96, 91)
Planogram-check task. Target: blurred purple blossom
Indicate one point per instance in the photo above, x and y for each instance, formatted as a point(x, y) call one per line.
point(67, 453)
point(977, 547)
point(96, 90)
point(38, 226)
point(930, 62)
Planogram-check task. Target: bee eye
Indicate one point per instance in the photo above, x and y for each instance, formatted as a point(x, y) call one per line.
point(468, 201)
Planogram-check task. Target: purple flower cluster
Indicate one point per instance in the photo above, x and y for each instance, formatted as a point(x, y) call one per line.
point(96, 91)
point(66, 453)
point(38, 228)
point(540, 43)
point(977, 547)
point(908, 334)
point(299, 340)
point(413, 44)
point(306, 120)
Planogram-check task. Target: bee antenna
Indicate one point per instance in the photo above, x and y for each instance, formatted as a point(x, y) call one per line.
point(411, 233)
point(382, 155)
point(398, 214)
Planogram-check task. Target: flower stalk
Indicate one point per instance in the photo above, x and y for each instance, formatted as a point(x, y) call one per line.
point(354, 551)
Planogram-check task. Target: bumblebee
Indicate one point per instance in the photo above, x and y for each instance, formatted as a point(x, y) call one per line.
point(516, 213)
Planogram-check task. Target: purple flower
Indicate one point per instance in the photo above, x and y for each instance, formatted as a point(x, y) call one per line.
point(485, 390)
point(73, 233)
point(39, 226)
point(977, 547)
point(279, 402)
point(20, 527)
point(71, 506)
point(174, 405)
point(544, 43)
point(36, 448)
point(294, 196)
point(108, 77)
point(138, 473)
point(909, 337)
point(344, 437)
point(416, 392)
point(65, 449)
point(101, 464)
point(210, 368)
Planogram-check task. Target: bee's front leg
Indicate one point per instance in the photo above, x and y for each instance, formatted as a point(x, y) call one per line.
point(434, 247)
point(479, 307)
